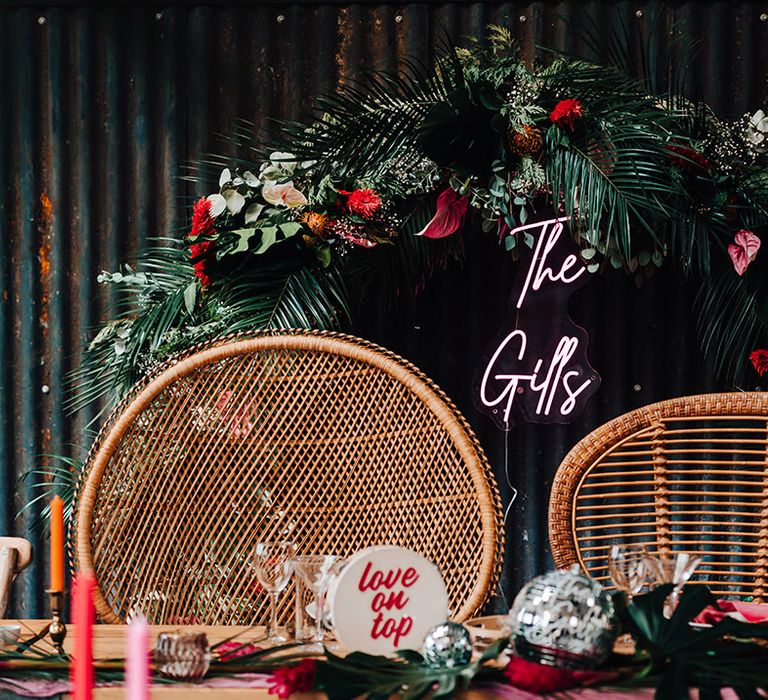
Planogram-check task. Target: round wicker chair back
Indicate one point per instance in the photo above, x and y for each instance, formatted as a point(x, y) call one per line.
point(316, 437)
point(684, 475)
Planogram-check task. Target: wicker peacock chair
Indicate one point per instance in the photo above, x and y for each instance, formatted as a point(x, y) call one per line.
point(684, 475)
point(318, 437)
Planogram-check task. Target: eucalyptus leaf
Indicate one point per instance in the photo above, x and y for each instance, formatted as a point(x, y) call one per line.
point(529, 239)
point(190, 297)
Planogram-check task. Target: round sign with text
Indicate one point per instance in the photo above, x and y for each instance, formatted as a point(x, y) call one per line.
point(386, 599)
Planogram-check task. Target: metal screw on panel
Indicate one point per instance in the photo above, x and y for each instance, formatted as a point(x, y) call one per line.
point(398, 18)
point(280, 19)
point(764, 17)
point(41, 20)
point(523, 19)
point(637, 387)
point(159, 16)
point(638, 13)
point(45, 388)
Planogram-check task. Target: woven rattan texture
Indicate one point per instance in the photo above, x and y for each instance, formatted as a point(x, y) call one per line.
point(316, 437)
point(685, 475)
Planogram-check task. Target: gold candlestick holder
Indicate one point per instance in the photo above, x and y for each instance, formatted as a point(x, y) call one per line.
point(57, 629)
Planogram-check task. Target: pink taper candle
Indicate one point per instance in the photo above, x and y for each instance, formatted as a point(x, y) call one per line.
point(137, 661)
point(83, 618)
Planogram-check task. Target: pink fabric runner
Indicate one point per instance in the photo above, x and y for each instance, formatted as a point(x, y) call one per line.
point(746, 612)
point(43, 689)
point(40, 688)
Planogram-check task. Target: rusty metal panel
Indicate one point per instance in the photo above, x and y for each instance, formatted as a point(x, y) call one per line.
point(101, 106)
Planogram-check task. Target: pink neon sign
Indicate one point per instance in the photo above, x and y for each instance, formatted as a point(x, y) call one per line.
point(537, 368)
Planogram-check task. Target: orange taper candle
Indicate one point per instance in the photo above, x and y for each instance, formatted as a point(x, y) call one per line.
point(57, 544)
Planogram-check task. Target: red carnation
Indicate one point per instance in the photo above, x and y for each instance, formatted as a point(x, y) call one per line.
point(202, 221)
point(566, 112)
point(199, 253)
point(298, 678)
point(759, 360)
point(542, 679)
point(365, 203)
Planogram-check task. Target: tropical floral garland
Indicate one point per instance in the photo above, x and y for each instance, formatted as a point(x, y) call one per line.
point(397, 173)
point(363, 201)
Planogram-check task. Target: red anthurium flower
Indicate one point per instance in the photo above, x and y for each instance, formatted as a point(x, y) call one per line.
point(759, 360)
point(365, 203)
point(566, 112)
point(542, 679)
point(451, 210)
point(298, 678)
point(743, 250)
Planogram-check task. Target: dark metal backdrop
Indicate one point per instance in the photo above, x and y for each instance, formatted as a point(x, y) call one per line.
point(100, 107)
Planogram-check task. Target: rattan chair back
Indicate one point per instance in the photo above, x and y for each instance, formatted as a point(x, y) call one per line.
point(320, 438)
point(685, 475)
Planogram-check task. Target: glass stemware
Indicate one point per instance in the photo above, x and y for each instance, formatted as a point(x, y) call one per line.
point(676, 569)
point(628, 568)
point(272, 562)
point(315, 572)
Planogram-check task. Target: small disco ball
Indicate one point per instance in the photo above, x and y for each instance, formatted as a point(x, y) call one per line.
point(563, 618)
point(448, 645)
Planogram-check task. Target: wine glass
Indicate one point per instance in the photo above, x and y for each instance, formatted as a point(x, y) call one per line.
point(675, 568)
point(315, 572)
point(628, 568)
point(272, 562)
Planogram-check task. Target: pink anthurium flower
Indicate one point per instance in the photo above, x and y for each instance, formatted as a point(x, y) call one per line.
point(283, 195)
point(743, 250)
point(451, 210)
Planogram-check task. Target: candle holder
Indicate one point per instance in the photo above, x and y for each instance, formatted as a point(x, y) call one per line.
point(57, 629)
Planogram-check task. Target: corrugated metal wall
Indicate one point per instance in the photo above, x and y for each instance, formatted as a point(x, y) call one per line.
point(100, 107)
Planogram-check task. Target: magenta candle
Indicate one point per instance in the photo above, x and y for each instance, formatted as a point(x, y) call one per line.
point(137, 660)
point(83, 618)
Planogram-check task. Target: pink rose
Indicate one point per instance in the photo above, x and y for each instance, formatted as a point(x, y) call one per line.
point(743, 250)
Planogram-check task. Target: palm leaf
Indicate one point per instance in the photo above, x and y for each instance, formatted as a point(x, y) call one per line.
point(58, 477)
point(282, 296)
point(729, 324)
point(371, 119)
point(387, 275)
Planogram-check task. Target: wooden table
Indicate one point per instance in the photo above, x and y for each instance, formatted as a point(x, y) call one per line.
point(109, 642)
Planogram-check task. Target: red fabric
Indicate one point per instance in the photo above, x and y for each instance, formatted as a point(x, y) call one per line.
point(542, 679)
point(231, 650)
point(751, 612)
point(298, 678)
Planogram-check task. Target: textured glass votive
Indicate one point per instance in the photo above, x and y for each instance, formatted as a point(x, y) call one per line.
point(183, 656)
